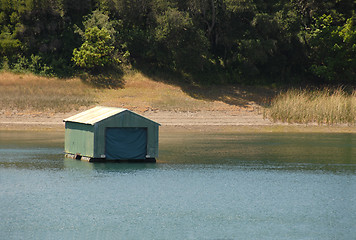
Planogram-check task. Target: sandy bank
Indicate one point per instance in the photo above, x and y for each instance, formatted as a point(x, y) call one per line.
point(214, 121)
point(165, 118)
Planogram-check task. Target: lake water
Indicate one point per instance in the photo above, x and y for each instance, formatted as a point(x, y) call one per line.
point(204, 186)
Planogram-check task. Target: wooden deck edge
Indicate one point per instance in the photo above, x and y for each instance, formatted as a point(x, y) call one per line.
point(90, 159)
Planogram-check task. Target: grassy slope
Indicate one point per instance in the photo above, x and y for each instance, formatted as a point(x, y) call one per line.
point(34, 95)
point(30, 94)
point(141, 93)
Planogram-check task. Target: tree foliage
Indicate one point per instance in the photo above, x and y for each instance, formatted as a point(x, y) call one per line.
point(96, 51)
point(334, 49)
point(243, 40)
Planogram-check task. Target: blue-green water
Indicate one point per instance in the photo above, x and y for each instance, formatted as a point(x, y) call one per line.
point(204, 186)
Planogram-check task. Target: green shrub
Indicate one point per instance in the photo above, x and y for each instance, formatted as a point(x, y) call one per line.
point(32, 65)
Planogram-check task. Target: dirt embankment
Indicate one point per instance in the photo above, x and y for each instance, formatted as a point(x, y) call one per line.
point(165, 118)
point(32, 102)
point(181, 121)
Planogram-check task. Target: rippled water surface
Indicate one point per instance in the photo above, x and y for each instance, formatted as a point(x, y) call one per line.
point(204, 186)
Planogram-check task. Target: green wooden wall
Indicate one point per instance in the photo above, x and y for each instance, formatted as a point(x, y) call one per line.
point(79, 138)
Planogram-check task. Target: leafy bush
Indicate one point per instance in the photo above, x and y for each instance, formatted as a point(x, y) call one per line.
point(33, 65)
point(96, 51)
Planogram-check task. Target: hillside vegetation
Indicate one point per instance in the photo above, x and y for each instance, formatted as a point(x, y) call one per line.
point(34, 95)
point(31, 95)
point(217, 41)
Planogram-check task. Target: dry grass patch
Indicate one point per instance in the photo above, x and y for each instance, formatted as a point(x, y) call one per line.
point(141, 93)
point(322, 107)
point(29, 93)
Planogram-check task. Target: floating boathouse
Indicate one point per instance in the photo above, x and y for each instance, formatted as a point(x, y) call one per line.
point(106, 133)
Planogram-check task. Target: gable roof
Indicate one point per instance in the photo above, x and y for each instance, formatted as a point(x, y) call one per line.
point(97, 114)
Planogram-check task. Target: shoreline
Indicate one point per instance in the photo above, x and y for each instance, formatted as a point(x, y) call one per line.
point(30, 102)
point(203, 121)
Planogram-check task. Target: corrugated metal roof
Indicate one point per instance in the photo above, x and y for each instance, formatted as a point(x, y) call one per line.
point(98, 114)
point(94, 115)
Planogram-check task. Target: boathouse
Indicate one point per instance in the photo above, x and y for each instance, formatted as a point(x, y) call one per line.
point(106, 133)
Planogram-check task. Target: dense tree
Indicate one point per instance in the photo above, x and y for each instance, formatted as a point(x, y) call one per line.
point(10, 45)
point(333, 52)
point(181, 45)
point(243, 40)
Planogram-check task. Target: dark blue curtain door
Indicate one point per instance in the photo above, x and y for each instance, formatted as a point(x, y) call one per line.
point(126, 143)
